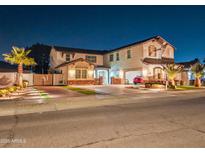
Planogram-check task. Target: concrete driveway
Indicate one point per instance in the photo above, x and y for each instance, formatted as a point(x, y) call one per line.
point(57, 91)
point(116, 89)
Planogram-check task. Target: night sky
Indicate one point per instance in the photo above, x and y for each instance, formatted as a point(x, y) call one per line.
point(104, 27)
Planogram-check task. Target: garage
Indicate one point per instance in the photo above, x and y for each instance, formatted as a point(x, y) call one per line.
point(130, 75)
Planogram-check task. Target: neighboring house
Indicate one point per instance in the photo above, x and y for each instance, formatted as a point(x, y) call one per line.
point(187, 75)
point(143, 58)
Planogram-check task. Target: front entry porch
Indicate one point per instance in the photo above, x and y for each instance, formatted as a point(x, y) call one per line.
point(102, 73)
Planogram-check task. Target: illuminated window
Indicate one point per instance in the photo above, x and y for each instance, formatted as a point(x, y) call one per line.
point(152, 51)
point(84, 74)
point(77, 74)
point(81, 74)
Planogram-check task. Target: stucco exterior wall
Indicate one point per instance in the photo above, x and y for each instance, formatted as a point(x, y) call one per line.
point(168, 52)
point(64, 70)
point(124, 62)
point(29, 78)
point(7, 79)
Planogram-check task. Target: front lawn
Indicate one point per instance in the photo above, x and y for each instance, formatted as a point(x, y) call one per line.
point(44, 95)
point(188, 88)
point(81, 90)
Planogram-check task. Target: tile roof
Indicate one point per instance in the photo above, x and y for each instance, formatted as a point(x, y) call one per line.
point(90, 51)
point(142, 41)
point(158, 61)
point(188, 64)
point(101, 52)
point(73, 61)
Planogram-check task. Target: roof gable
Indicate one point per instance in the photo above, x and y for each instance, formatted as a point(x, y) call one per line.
point(158, 38)
point(74, 61)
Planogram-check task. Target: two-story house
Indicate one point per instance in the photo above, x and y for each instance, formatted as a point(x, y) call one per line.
point(143, 58)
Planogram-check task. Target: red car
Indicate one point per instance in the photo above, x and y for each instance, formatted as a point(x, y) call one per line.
point(138, 80)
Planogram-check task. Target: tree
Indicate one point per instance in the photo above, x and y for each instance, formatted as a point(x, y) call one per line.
point(20, 57)
point(198, 71)
point(172, 70)
point(41, 54)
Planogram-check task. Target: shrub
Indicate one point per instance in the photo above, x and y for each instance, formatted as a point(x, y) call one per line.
point(4, 92)
point(12, 89)
point(25, 83)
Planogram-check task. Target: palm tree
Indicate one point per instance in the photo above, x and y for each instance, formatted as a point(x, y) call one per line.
point(172, 70)
point(20, 57)
point(198, 71)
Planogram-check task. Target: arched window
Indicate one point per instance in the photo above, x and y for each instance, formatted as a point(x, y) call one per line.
point(152, 51)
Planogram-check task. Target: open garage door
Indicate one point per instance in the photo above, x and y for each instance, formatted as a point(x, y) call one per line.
point(130, 75)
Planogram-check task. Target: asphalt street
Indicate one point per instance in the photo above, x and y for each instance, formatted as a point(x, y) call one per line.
point(172, 121)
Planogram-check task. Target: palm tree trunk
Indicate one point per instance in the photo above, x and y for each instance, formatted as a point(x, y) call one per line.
point(197, 82)
point(20, 75)
point(173, 83)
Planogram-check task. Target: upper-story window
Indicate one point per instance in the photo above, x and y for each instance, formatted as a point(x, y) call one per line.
point(91, 59)
point(152, 51)
point(128, 54)
point(111, 57)
point(68, 57)
point(117, 56)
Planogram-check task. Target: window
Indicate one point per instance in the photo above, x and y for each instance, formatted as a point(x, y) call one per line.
point(128, 54)
point(84, 74)
point(111, 57)
point(91, 59)
point(77, 74)
point(67, 57)
point(81, 74)
point(117, 56)
point(152, 51)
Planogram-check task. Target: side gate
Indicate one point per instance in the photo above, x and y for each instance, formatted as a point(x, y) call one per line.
point(42, 79)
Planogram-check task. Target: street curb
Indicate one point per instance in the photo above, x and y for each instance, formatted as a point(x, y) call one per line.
point(66, 104)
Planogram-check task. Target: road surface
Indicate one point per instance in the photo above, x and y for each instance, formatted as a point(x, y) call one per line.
point(177, 121)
